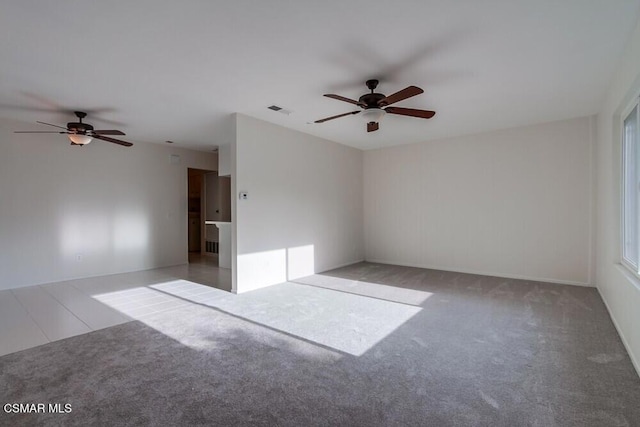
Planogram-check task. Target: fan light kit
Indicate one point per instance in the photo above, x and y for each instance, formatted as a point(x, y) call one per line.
point(375, 105)
point(79, 139)
point(373, 114)
point(83, 133)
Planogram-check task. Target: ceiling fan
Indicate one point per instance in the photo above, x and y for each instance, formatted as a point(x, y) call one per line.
point(82, 133)
point(373, 104)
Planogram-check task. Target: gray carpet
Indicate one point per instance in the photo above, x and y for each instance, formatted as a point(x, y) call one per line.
point(363, 345)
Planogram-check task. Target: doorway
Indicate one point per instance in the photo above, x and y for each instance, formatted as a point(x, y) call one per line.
point(196, 206)
point(209, 222)
point(209, 229)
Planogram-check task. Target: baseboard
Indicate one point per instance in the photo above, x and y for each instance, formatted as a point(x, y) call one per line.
point(90, 276)
point(485, 273)
point(341, 265)
point(634, 360)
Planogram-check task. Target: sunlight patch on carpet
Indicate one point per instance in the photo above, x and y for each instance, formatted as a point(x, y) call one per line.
point(345, 322)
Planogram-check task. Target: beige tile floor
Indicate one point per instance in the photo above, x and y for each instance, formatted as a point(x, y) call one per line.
point(36, 315)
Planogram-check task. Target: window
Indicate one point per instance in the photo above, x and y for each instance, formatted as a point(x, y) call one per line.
point(631, 189)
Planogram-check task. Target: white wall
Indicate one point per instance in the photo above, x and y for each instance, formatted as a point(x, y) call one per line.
point(117, 209)
point(512, 203)
point(619, 288)
point(304, 212)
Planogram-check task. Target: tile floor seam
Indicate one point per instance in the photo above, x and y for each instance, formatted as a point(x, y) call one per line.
point(29, 315)
point(68, 309)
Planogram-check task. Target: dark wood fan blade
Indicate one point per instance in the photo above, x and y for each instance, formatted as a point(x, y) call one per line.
point(341, 98)
point(38, 131)
point(423, 114)
point(49, 124)
point(399, 96)
point(115, 141)
point(372, 127)
point(109, 132)
point(335, 117)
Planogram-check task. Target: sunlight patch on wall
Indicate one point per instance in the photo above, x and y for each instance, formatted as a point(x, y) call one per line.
point(300, 262)
point(96, 233)
point(260, 269)
point(84, 233)
point(130, 232)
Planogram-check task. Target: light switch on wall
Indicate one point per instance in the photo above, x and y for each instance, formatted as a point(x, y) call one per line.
point(244, 195)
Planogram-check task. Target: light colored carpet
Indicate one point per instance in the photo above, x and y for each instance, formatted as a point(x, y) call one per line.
point(364, 345)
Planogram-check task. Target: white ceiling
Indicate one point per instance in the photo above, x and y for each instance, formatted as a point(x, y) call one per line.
point(171, 70)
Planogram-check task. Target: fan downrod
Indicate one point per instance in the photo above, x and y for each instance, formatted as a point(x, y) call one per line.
point(370, 100)
point(80, 127)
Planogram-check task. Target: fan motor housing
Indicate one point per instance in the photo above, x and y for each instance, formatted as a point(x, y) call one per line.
point(371, 99)
point(79, 127)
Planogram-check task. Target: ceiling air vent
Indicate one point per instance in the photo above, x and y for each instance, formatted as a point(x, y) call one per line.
point(280, 110)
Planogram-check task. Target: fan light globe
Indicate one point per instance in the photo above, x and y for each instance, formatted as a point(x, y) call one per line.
point(80, 139)
point(373, 114)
